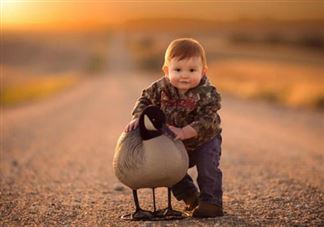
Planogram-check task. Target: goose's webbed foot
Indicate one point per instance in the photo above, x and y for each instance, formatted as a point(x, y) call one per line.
point(142, 215)
point(139, 215)
point(173, 213)
point(168, 213)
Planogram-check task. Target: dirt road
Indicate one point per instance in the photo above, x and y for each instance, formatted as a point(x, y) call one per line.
point(56, 160)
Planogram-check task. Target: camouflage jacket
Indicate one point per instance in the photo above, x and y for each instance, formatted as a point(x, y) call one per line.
point(197, 107)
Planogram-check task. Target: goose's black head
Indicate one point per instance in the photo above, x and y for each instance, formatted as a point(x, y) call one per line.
point(151, 122)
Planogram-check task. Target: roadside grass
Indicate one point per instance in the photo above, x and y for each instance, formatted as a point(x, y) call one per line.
point(147, 53)
point(289, 84)
point(17, 89)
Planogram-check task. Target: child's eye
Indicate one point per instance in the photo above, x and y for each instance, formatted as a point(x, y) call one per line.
point(177, 69)
point(192, 70)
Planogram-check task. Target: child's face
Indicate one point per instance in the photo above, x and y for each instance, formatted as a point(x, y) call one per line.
point(186, 73)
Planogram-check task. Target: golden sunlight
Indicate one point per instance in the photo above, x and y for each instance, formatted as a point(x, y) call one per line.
point(22, 14)
point(61, 14)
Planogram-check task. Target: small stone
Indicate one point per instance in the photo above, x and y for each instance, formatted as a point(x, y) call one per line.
point(119, 187)
point(15, 163)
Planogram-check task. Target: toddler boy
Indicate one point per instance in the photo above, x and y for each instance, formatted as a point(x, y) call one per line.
point(190, 103)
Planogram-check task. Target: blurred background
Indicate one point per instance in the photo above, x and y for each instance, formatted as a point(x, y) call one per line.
point(255, 49)
point(71, 72)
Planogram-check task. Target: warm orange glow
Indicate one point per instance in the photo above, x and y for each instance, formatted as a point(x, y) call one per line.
point(84, 13)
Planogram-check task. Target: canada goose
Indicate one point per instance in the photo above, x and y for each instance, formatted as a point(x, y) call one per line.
point(149, 157)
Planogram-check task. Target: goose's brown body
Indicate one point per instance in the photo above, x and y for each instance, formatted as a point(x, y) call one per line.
point(157, 162)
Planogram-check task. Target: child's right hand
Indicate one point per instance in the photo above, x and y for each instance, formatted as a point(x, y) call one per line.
point(132, 125)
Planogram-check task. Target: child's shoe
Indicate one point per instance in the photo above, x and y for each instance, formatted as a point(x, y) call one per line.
point(191, 201)
point(206, 210)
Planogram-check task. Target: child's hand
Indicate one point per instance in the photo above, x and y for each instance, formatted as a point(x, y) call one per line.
point(177, 131)
point(132, 125)
point(183, 133)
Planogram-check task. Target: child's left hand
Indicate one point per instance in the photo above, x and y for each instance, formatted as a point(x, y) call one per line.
point(183, 133)
point(177, 131)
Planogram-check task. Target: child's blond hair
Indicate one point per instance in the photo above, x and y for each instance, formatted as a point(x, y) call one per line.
point(184, 48)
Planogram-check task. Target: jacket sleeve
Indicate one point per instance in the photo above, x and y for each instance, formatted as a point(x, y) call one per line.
point(149, 96)
point(207, 119)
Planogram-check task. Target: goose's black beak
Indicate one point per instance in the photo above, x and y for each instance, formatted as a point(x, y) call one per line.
point(166, 131)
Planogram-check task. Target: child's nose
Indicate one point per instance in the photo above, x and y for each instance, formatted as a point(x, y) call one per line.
point(184, 75)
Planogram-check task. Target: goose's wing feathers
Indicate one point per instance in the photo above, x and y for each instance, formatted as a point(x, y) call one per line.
point(128, 153)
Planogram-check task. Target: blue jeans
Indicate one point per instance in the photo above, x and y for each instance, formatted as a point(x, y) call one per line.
point(206, 158)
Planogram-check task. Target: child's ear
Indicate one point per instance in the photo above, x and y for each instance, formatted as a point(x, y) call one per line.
point(204, 71)
point(165, 70)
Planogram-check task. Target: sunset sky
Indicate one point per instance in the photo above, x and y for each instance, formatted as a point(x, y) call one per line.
point(42, 14)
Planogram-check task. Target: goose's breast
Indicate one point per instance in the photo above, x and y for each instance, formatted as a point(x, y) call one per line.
point(165, 160)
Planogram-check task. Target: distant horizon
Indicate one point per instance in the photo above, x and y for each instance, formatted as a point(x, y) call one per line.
point(78, 14)
point(88, 25)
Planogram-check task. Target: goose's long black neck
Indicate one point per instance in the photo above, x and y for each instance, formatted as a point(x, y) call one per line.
point(147, 134)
